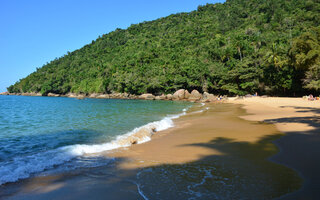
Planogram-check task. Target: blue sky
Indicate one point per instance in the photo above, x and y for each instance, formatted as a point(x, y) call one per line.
point(34, 32)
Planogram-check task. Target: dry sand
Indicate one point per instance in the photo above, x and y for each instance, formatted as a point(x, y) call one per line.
point(300, 147)
point(232, 151)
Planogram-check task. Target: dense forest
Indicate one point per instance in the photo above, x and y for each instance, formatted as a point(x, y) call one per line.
point(238, 47)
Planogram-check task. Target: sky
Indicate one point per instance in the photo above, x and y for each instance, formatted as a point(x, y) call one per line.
point(34, 32)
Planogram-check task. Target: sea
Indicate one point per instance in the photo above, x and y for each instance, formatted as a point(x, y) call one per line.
point(45, 135)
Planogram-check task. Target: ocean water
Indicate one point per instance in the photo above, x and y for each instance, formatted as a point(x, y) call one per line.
point(48, 134)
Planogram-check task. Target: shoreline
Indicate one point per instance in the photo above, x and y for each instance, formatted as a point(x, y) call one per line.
point(217, 143)
point(179, 95)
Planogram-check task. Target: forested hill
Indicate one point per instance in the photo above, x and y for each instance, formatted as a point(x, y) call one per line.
point(238, 47)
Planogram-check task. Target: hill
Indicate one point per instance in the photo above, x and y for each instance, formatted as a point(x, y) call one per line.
point(238, 47)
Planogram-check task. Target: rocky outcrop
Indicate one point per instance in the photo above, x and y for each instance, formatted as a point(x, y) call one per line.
point(147, 96)
point(195, 95)
point(179, 95)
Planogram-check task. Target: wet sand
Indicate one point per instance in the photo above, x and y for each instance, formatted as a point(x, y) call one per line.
point(212, 154)
point(299, 119)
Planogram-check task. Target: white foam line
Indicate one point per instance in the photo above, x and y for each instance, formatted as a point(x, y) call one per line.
point(22, 167)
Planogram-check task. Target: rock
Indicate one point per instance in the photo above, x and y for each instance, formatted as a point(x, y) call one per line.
point(186, 94)
point(125, 95)
point(93, 95)
point(116, 96)
point(209, 97)
point(195, 95)
point(4, 93)
point(132, 96)
point(157, 98)
point(179, 94)
point(81, 96)
point(169, 96)
point(72, 95)
point(147, 96)
point(52, 95)
point(162, 97)
point(103, 96)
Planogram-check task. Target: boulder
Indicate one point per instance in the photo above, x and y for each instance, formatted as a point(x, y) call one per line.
point(179, 94)
point(169, 96)
point(195, 95)
point(147, 96)
point(186, 94)
point(4, 93)
point(157, 98)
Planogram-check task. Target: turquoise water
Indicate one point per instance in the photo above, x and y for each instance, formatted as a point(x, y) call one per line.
point(39, 134)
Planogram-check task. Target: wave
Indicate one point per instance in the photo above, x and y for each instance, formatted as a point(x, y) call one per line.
point(24, 166)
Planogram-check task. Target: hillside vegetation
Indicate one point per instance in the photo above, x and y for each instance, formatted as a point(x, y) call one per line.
point(238, 47)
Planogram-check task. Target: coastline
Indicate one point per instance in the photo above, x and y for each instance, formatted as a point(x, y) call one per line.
point(179, 95)
point(204, 138)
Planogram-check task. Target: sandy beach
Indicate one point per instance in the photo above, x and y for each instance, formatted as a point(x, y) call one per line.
point(253, 148)
point(299, 119)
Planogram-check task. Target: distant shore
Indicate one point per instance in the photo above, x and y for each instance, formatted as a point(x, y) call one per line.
point(213, 136)
point(179, 95)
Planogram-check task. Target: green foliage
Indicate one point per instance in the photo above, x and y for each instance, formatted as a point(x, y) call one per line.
point(238, 47)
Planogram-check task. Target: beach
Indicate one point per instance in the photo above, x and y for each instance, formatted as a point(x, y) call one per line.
point(299, 119)
point(252, 148)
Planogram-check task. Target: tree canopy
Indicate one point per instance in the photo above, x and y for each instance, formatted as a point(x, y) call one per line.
point(238, 47)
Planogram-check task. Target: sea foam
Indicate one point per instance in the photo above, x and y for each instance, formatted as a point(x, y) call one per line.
point(24, 166)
